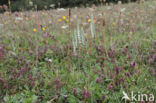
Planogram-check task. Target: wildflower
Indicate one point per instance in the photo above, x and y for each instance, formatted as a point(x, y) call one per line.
point(50, 60)
point(123, 9)
point(130, 32)
point(61, 9)
point(127, 74)
point(34, 30)
point(15, 21)
point(113, 23)
point(42, 13)
point(67, 20)
point(45, 35)
point(133, 64)
point(32, 84)
point(6, 22)
point(89, 20)
point(5, 7)
point(5, 85)
point(117, 69)
point(86, 94)
point(59, 20)
point(74, 91)
point(131, 14)
point(19, 18)
point(26, 18)
point(98, 80)
point(103, 96)
point(154, 58)
point(1, 80)
point(43, 29)
point(64, 27)
point(30, 77)
point(58, 83)
point(42, 83)
point(63, 17)
point(52, 5)
point(110, 87)
point(30, 3)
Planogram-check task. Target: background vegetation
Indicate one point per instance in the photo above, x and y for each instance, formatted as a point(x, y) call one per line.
point(17, 5)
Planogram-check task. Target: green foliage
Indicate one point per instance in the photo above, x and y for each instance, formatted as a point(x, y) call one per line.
point(18, 5)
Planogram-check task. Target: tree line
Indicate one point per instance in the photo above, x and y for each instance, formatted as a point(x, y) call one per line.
point(19, 5)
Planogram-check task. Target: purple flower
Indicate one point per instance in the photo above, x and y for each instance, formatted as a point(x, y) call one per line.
point(150, 60)
point(19, 74)
point(32, 84)
point(30, 77)
point(154, 58)
point(117, 83)
point(98, 80)
point(5, 85)
point(45, 35)
point(1, 80)
point(11, 77)
point(74, 91)
point(110, 87)
point(86, 94)
point(42, 83)
point(117, 69)
point(58, 83)
point(103, 96)
point(99, 73)
point(133, 64)
point(127, 74)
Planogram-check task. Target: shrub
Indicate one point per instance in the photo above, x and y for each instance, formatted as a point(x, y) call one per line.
point(18, 5)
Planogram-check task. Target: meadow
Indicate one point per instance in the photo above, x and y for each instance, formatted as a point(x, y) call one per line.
point(78, 55)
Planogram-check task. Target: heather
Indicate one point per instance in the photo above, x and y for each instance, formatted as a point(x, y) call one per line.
point(78, 55)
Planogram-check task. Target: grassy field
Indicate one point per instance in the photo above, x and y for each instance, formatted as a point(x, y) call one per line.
point(81, 55)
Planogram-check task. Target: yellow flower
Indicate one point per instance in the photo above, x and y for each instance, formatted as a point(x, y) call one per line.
point(34, 30)
point(131, 14)
point(26, 18)
point(6, 22)
point(43, 13)
point(130, 32)
point(43, 29)
point(63, 17)
point(59, 20)
point(89, 20)
point(67, 20)
point(15, 21)
point(113, 23)
point(6, 13)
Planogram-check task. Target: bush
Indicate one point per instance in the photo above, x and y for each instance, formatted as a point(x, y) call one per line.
point(18, 5)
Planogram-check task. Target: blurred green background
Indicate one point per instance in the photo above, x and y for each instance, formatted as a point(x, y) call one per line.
point(19, 5)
